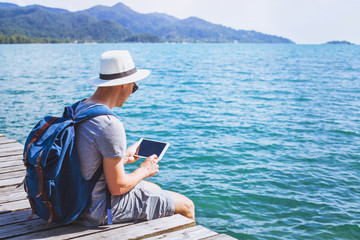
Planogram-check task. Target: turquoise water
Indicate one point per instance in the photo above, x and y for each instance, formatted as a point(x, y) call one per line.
point(264, 138)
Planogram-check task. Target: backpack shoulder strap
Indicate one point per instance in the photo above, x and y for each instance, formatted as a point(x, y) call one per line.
point(90, 112)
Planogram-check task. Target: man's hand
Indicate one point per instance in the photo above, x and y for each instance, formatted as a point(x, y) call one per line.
point(150, 165)
point(130, 152)
point(119, 182)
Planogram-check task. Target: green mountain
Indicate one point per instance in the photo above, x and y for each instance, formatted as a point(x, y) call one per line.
point(136, 22)
point(119, 23)
point(173, 29)
point(35, 22)
point(8, 5)
point(48, 9)
point(197, 30)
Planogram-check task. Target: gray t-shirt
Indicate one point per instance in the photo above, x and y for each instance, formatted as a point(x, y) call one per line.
point(97, 137)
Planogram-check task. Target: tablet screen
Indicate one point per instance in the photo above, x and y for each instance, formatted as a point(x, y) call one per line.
point(150, 147)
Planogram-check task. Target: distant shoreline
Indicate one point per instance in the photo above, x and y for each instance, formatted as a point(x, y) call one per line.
point(340, 42)
point(55, 42)
point(139, 38)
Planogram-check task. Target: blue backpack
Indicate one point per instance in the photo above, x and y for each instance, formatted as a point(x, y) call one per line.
point(54, 184)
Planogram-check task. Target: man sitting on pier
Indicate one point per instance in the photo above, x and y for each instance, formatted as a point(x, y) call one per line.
point(102, 140)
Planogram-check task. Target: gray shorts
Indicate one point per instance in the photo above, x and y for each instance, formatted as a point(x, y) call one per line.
point(140, 204)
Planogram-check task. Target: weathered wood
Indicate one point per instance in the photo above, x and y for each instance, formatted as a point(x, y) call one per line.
point(21, 228)
point(14, 206)
point(198, 232)
point(17, 195)
point(69, 232)
point(15, 217)
point(220, 237)
point(14, 158)
point(12, 146)
point(15, 174)
point(4, 140)
point(11, 153)
point(11, 182)
point(5, 164)
point(10, 189)
point(146, 229)
point(12, 169)
point(12, 149)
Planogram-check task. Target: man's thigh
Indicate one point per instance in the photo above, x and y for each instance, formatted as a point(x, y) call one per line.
point(145, 201)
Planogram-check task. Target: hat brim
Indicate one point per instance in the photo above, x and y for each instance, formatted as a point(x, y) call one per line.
point(139, 75)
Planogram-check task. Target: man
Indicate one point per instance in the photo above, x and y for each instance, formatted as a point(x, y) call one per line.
point(102, 140)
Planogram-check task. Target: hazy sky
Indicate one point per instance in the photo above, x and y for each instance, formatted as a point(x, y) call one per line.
point(303, 21)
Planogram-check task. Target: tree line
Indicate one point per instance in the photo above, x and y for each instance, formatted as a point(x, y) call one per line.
point(17, 38)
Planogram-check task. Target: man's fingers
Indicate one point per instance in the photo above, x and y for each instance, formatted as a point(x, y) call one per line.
point(154, 158)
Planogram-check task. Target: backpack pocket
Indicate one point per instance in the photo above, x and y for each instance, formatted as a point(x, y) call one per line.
point(39, 195)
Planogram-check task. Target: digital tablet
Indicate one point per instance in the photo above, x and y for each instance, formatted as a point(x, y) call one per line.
point(149, 147)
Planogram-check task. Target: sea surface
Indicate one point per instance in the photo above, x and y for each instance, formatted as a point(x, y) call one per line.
point(264, 138)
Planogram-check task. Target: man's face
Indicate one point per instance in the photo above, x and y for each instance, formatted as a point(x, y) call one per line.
point(125, 92)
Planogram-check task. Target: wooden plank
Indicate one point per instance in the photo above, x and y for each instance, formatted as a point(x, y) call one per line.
point(11, 182)
point(10, 189)
point(13, 149)
point(14, 206)
point(4, 140)
point(14, 145)
point(17, 195)
point(11, 153)
point(15, 217)
point(220, 237)
point(146, 229)
point(197, 232)
point(69, 232)
point(15, 174)
point(13, 199)
point(11, 158)
point(11, 163)
point(12, 169)
point(21, 228)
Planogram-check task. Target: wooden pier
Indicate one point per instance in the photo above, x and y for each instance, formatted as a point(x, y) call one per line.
point(15, 209)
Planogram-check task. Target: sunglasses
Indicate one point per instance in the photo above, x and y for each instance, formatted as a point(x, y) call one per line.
point(135, 87)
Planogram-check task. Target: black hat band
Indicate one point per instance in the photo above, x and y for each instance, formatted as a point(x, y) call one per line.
point(117, 75)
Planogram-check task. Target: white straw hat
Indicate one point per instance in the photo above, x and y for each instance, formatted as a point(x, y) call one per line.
point(117, 68)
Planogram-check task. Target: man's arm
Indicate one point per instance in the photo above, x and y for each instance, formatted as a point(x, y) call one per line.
point(119, 182)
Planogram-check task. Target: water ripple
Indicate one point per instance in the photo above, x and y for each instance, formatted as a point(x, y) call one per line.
point(264, 138)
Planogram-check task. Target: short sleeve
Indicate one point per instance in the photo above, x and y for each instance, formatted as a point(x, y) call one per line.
point(112, 142)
